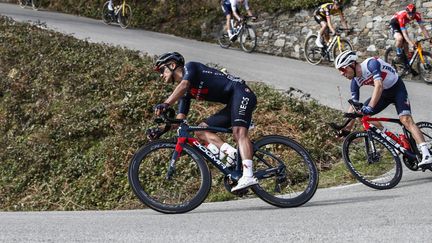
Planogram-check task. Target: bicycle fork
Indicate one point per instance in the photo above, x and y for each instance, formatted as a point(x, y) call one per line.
point(174, 157)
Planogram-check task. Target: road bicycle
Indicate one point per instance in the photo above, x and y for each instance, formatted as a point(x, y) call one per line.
point(171, 175)
point(315, 55)
point(242, 31)
point(423, 59)
point(35, 4)
point(374, 157)
point(122, 14)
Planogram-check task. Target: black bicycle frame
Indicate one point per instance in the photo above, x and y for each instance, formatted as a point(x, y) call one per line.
point(184, 136)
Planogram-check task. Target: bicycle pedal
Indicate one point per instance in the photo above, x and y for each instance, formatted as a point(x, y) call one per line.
point(426, 167)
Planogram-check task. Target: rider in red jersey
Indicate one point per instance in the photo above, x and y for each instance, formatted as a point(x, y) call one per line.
point(400, 33)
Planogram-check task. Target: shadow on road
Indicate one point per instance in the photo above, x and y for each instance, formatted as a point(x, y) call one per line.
point(349, 200)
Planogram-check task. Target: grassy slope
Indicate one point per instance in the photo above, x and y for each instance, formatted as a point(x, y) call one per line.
point(72, 113)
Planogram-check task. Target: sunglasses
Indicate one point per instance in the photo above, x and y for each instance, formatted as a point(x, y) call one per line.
point(161, 69)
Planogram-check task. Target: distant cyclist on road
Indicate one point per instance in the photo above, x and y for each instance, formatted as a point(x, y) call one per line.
point(388, 88)
point(400, 33)
point(230, 8)
point(200, 82)
point(322, 17)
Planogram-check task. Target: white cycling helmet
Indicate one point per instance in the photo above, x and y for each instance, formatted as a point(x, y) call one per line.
point(345, 58)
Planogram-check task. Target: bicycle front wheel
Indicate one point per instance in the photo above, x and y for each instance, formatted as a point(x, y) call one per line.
point(248, 39)
point(345, 45)
point(125, 16)
point(425, 69)
point(187, 188)
point(391, 57)
point(296, 180)
point(36, 4)
point(379, 168)
point(312, 52)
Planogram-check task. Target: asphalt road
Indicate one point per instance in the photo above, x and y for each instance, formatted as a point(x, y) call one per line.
point(352, 213)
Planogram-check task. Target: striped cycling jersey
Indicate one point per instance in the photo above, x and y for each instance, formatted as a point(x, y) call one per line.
point(373, 68)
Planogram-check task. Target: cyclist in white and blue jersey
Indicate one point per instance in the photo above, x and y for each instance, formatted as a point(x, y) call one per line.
point(388, 89)
point(230, 8)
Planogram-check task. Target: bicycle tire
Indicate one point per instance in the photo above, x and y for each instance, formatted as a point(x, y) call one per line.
point(345, 46)
point(426, 130)
point(106, 18)
point(391, 58)
point(124, 19)
point(248, 39)
point(371, 174)
point(312, 52)
point(188, 187)
point(223, 39)
point(425, 70)
point(36, 4)
point(290, 189)
point(22, 3)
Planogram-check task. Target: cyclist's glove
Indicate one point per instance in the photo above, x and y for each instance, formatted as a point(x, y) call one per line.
point(367, 110)
point(153, 133)
point(161, 107)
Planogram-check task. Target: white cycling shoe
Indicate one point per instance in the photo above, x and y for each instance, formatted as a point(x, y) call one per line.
point(245, 181)
point(426, 161)
point(318, 43)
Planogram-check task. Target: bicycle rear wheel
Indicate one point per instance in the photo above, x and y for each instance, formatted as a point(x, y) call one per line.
point(426, 130)
point(125, 16)
point(391, 57)
point(22, 3)
point(186, 190)
point(297, 179)
point(345, 45)
point(425, 69)
point(106, 17)
point(381, 169)
point(248, 39)
point(312, 52)
point(223, 39)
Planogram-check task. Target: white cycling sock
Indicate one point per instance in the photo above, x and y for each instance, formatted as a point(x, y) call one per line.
point(424, 149)
point(247, 168)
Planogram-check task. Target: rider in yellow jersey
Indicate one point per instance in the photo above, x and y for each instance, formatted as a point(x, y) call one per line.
point(322, 16)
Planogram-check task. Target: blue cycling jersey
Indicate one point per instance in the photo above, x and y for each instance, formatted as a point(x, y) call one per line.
point(206, 83)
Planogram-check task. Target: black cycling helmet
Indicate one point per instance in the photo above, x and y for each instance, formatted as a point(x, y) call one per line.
point(411, 9)
point(169, 56)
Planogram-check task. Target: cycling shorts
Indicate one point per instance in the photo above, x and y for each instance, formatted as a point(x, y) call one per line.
point(319, 18)
point(238, 112)
point(395, 27)
point(227, 9)
point(396, 95)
